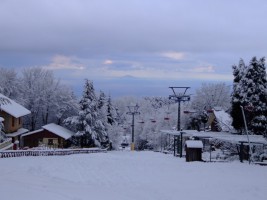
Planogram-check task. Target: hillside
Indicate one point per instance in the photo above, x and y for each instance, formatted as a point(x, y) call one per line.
point(128, 176)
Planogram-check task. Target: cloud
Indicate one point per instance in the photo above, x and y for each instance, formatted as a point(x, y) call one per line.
point(60, 62)
point(174, 55)
point(204, 69)
point(108, 62)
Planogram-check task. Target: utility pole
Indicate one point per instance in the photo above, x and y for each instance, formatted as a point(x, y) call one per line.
point(179, 96)
point(246, 129)
point(133, 110)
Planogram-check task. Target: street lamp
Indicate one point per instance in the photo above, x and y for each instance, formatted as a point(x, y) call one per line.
point(133, 110)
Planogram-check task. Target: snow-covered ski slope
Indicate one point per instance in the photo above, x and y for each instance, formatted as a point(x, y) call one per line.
point(128, 176)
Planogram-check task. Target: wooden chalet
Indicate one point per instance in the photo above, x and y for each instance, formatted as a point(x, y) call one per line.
point(51, 135)
point(12, 115)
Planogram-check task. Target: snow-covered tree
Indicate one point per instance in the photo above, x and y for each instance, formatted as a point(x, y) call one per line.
point(9, 83)
point(2, 135)
point(66, 104)
point(208, 97)
point(255, 80)
point(33, 83)
point(89, 128)
point(111, 112)
point(102, 109)
point(250, 91)
point(237, 96)
point(47, 99)
point(211, 95)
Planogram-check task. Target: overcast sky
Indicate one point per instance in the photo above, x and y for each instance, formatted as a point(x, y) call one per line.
point(133, 47)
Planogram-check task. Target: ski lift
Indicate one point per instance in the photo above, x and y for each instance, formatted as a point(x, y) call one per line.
point(153, 120)
point(167, 116)
point(189, 112)
point(141, 121)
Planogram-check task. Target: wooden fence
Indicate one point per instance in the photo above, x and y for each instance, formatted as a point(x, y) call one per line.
point(56, 152)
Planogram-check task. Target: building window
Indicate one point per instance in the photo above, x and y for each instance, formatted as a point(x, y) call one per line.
point(20, 121)
point(13, 121)
point(50, 142)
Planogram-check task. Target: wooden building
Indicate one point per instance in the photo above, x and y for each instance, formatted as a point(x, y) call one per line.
point(12, 114)
point(193, 150)
point(51, 135)
point(220, 121)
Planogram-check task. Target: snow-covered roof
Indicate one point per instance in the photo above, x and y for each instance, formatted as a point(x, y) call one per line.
point(32, 132)
point(54, 128)
point(229, 137)
point(13, 108)
point(225, 136)
point(224, 119)
point(18, 132)
point(59, 130)
point(194, 144)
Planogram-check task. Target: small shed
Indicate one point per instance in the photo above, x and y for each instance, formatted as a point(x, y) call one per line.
point(193, 150)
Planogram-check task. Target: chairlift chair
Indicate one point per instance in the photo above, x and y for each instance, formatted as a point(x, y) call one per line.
point(141, 121)
point(153, 120)
point(167, 116)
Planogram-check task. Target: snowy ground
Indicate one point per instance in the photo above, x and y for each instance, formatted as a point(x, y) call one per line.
point(128, 176)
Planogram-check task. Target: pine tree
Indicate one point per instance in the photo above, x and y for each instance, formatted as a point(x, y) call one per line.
point(101, 100)
point(90, 130)
point(87, 115)
point(102, 124)
point(249, 89)
point(236, 100)
point(256, 81)
point(111, 112)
